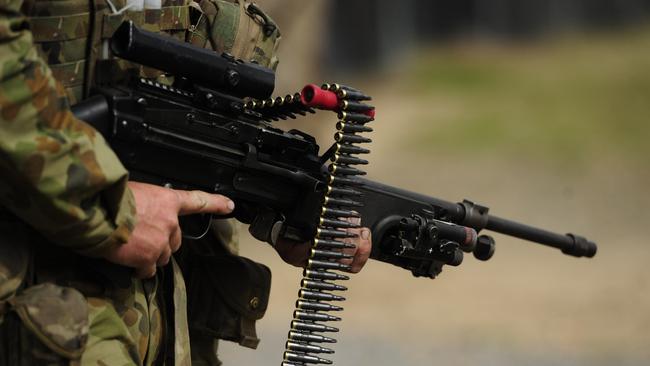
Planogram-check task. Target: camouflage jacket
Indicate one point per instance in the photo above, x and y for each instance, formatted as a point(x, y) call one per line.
point(58, 177)
point(57, 173)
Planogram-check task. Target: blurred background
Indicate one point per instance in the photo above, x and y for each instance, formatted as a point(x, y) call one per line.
point(539, 110)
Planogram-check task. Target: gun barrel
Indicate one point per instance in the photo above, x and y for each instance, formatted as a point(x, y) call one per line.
point(403, 202)
point(203, 66)
point(570, 244)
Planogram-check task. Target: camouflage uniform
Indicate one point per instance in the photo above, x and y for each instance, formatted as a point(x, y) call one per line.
point(63, 195)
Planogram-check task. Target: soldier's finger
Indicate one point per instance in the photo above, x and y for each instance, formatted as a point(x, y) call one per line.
point(355, 240)
point(145, 272)
point(164, 256)
point(350, 251)
point(175, 239)
point(364, 248)
point(191, 202)
point(353, 220)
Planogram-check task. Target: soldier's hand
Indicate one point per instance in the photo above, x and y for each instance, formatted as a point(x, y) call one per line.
point(297, 253)
point(157, 233)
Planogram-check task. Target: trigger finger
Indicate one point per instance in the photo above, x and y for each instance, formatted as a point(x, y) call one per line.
point(191, 202)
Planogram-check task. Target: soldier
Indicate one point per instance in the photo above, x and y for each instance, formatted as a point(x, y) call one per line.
point(70, 223)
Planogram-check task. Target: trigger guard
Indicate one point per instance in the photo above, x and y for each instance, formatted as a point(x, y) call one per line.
point(195, 227)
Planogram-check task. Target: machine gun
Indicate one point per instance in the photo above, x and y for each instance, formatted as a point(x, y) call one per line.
point(212, 131)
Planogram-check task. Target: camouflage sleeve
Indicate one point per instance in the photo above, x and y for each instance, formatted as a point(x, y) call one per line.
point(56, 172)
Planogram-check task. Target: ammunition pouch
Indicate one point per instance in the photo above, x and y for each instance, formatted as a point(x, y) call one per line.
point(15, 258)
point(57, 316)
point(45, 324)
point(236, 27)
point(226, 295)
point(39, 324)
point(61, 31)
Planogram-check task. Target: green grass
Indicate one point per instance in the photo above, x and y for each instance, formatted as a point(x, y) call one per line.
point(571, 99)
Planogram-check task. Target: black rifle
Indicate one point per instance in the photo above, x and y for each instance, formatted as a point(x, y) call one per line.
point(202, 134)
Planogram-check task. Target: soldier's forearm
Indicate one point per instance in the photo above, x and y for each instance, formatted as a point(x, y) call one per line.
point(56, 172)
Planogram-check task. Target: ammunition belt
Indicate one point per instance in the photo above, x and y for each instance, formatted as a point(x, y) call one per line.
point(333, 235)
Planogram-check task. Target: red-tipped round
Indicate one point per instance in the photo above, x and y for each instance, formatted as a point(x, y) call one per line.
point(315, 97)
point(370, 113)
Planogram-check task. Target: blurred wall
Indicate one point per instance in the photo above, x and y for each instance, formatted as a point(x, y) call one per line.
point(302, 24)
point(371, 33)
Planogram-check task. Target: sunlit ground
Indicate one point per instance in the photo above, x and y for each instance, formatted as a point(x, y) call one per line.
point(553, 134)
